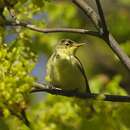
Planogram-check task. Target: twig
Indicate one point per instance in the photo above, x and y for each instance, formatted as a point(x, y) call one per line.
point(10, 9)
point(25, 119)
point(53, 30)
point(21, 117)
point(102, 18)
point(56, 91)
point(113, 44)
point(89, 12)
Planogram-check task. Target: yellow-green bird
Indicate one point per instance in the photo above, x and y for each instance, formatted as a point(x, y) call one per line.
point(64, 69)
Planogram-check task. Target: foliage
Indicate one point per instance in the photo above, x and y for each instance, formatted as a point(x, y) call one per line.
point(17, 61)
point(61, 113)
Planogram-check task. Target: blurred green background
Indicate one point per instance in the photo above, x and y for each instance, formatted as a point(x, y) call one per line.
point(28, 51)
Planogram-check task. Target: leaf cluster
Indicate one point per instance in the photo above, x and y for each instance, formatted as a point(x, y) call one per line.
point(17, 62)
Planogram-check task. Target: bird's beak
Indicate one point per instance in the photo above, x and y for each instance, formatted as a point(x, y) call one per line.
point(80, 44)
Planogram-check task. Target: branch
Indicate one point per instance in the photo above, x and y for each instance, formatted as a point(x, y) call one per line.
point(109, 39)
point(102, 18)
point(25, 119)
point(53, 30)
point(89, 12)
point(22, 116)
point(11, 10)
point(114, 45)
point(56, 91)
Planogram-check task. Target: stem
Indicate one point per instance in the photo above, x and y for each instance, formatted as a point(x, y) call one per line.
point(89, 12)
point(53, 30)
point(102, 18)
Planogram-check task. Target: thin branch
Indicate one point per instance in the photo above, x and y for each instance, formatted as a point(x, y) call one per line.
point(53, 30)
point(89, 12)
point(11, 10)
point(102, 18)
point(56, 91)
point(21, 117)
point(113, 44)
point(25, 119)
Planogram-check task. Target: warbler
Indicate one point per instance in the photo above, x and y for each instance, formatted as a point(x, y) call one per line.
point(64, 69)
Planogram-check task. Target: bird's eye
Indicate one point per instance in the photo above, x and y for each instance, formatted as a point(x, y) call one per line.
point(70, 42)
point(67, 43)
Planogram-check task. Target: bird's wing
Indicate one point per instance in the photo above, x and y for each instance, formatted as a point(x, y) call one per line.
point(80, 67)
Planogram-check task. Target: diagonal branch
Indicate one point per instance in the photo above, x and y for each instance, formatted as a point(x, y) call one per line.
point(11, 10)
point(89, 12)
point(56, 91)
point(53, 30)
point(114, 45)
point(102, 18)
point(109, 39)
point(22, 116)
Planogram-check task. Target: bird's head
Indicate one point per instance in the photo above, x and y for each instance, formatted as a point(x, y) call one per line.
point(68, 46)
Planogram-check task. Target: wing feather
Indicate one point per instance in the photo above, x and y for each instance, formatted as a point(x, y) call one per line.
point(80, 67)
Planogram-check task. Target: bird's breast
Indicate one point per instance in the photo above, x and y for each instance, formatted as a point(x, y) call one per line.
point(65, 74)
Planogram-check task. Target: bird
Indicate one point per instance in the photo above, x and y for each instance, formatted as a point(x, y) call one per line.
point(64, 69)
